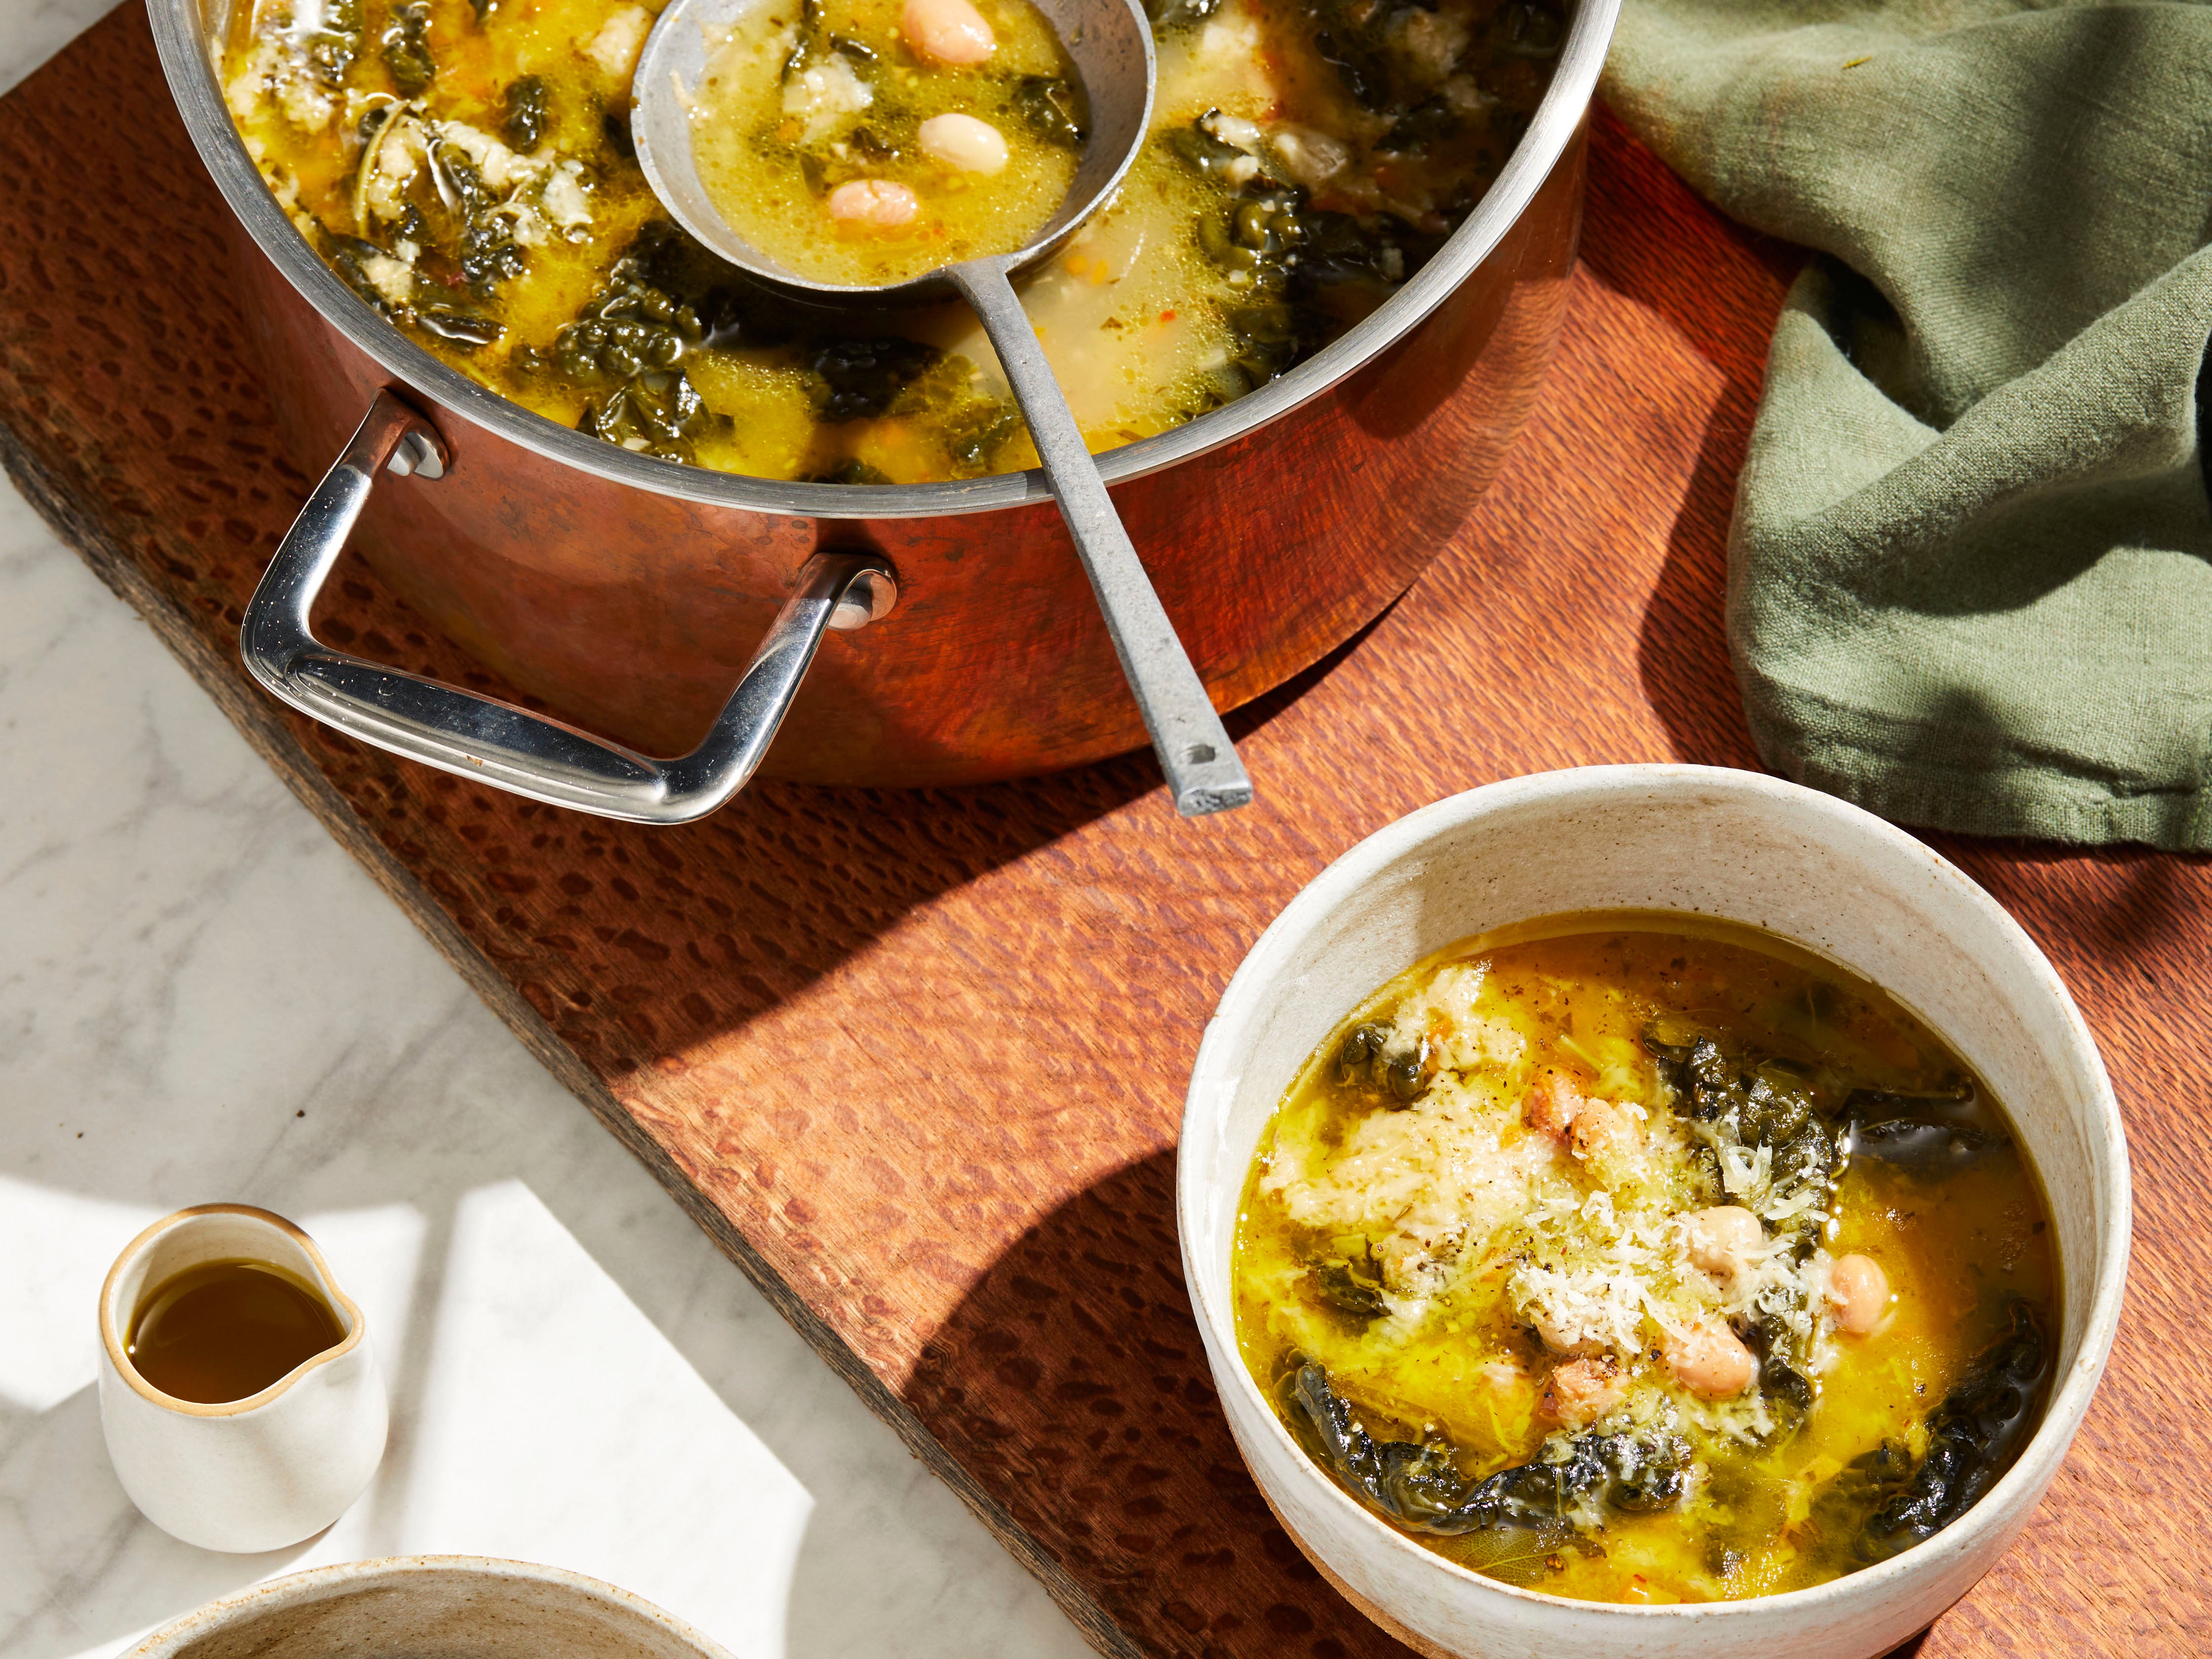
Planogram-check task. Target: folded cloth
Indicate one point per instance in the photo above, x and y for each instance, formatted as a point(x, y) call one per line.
point(1968, 581)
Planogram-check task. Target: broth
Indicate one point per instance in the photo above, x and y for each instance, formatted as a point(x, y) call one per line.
point(466, 168)
point(1635, 1259)
point(226, 1330)
point(836, 147)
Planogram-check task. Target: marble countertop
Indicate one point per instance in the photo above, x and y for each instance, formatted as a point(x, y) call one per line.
point(202, 997)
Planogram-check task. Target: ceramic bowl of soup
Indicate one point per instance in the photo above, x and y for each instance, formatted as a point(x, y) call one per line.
point(1302, 343)
point(1653, 1210)
point(432, 1607)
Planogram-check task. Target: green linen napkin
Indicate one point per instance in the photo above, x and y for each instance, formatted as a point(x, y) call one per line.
point(1968, 581)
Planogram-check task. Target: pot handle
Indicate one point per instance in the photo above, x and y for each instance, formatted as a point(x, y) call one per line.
point(496, 743)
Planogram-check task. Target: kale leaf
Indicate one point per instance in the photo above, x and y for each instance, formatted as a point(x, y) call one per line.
point(1366, 1059)
point(349, 257)
point(1357, 65)
point(860, 380)
point(1302, 272)
point(334, 45)
point(1419, 1486)
point(467, 329)
point(1885, 1502)
point(406, 45)
point(1047, 104)
point(1534, 29)
point(1352, 1288)
point(526, 115)
point(629, 326)
point(658, 412)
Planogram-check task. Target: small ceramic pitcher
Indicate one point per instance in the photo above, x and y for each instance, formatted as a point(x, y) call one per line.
point(248, 1474)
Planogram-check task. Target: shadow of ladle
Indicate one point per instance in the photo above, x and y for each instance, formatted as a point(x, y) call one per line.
point(1111, 45)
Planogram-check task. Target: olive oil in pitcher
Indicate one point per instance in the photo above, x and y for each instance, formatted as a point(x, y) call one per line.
point(225, 1330)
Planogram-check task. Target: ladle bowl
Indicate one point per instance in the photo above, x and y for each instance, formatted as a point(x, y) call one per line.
point(1111, 43)
point(1108, 40)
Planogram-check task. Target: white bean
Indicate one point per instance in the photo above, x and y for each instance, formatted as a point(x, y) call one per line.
point(950, 31)
point(1709, 1360)
point(1582, 1391)
point(1722, 1240)
point(873, 204)
point(963, 143)
point(1858, 1293)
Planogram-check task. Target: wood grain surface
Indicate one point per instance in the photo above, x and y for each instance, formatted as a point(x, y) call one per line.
point(916, 1059)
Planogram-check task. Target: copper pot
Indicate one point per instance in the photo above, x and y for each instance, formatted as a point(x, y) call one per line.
point(627, 593)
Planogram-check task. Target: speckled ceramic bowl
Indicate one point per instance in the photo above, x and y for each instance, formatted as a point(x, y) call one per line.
point(1734, 845)
point(430, 1607)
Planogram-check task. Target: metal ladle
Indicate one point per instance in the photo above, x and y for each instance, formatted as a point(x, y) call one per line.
point(1111, 44)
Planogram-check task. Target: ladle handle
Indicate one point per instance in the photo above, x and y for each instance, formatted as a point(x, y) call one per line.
point(1201, 762)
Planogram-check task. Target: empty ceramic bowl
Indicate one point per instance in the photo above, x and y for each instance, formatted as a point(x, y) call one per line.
point(1732, 845)
point(430, 1607)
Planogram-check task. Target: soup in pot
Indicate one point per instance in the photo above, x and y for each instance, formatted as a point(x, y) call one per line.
point(467, 166)
point(1638, 1259)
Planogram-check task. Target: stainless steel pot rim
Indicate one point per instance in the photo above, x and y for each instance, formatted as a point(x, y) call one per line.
point(189, 65)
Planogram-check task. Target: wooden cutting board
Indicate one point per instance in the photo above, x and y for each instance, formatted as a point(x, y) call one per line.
point(916, 1059)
